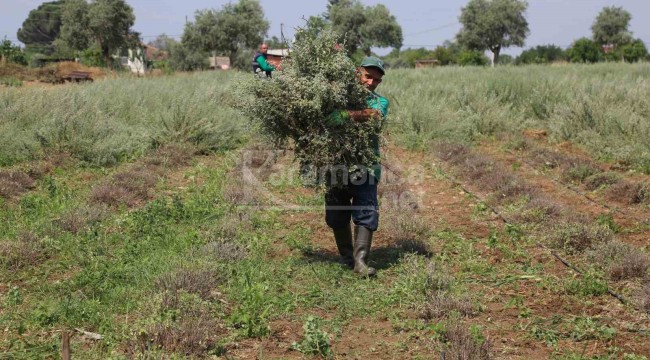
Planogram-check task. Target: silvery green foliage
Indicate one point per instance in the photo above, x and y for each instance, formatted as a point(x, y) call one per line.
point(317, 80)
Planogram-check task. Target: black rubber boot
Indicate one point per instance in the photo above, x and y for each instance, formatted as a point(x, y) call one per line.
point(362, 243)
point(343, 237)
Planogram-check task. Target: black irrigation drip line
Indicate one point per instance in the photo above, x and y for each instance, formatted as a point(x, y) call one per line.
point(568, 264)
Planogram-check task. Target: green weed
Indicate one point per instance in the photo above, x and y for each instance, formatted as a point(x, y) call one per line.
point(315, 341)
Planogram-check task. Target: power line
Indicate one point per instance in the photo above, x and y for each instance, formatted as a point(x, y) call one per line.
point(432, 30)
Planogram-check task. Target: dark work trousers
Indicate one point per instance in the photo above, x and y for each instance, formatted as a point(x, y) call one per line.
point(356, 202)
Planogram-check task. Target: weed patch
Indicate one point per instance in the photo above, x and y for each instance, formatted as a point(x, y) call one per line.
point(128, 188)
point(171, 156)
point(202, 282)
point(609, 252)
point(630, 193)
point(631, 265)
point(452, 153)
point(191, 331)
point(579, 172)
point(409, 232)
point(576, 236)
point(224, 250)
point(14, 183)
point(586, 285)
point(315, 341)
point(81, 219)
point(539, 210)
point(27, 251)
point(441, 304)
point(466, 345)
point(601, 180)
point(644, 298)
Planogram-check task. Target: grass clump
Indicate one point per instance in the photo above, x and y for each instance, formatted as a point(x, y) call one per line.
point(442, 304)
point(10, 81)
point(631, 265)
point(187, 327)
point(644, 298)
point(80, 219)
point(201, 282)
point(599, 180)
point(27, 251)
point(466, 344)
point(576, 236)
point(409, 232)
point(13, 183)
point(628, 192)
point(126, 188)
point(586, 285)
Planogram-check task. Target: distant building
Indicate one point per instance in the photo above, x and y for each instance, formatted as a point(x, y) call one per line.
point(607, 48)
point(275, 56)
point(219, 62)
point(134, 60)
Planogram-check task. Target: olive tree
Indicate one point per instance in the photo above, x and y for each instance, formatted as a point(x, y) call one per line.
point(106, 23)
point(611, 27)
point(229, 30)
point(493, 25)
point(363, 27)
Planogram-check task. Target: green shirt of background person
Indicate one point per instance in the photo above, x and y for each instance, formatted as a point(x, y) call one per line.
point(260, 62)
point(357, 201)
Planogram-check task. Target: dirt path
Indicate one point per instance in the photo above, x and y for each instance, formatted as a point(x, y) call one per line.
point(518, 308)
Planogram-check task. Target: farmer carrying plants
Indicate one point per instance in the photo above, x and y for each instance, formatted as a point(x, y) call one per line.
point(357, 200)
point(303, 105)
point(260, 64)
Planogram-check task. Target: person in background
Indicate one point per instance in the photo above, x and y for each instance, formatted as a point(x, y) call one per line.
point(358, 200)
point(260, 63)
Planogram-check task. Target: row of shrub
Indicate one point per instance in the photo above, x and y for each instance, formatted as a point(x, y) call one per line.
point(112, 121)
point(581, 51)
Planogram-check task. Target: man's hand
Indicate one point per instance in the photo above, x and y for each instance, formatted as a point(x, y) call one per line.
point(338, 117)
point(364, 115)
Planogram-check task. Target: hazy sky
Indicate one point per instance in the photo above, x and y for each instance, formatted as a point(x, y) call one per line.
point(424, 23)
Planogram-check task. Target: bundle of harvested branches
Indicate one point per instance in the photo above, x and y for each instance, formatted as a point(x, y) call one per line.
point(294, 105)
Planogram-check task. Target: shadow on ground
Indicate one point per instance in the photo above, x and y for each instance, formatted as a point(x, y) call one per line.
point(381, 258)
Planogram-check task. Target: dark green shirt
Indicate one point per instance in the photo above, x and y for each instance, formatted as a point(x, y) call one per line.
point(264, 64)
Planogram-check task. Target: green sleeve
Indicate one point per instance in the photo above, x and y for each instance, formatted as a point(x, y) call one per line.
point(338, 117)
point(264, 65)
point(379, 103)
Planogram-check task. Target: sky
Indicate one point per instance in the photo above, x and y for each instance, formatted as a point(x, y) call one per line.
point(424, 23)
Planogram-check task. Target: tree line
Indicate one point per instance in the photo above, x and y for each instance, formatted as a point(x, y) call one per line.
point(97, 30)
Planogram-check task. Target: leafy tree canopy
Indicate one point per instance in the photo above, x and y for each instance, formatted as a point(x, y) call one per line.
point(611, 27)
point(227, 31)
point(162, 42)
point(363, 27)
point(42, 26)
point(106, 23)
point(635, 51)
point(11, 53)
point(584, 51)
point(493, 25)
point(543, 54)
point(472, 58)
point(183, 57)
